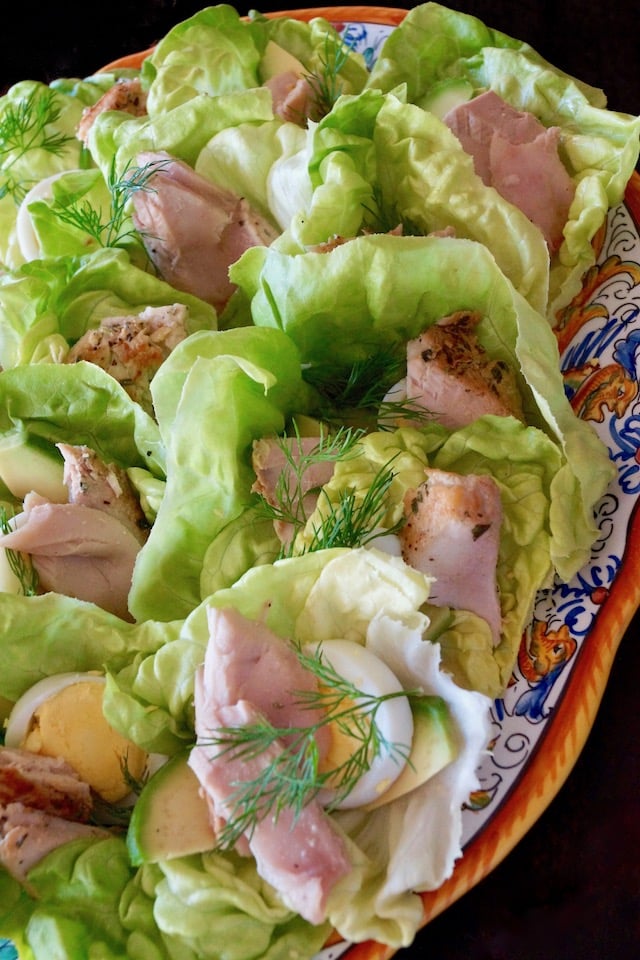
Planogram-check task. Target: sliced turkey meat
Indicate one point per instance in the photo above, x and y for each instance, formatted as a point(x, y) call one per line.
point(194, 230)
point(245, 660)
point(77, 551)
point(452, 533)
point(294, 98)
point(132, 348)
point(518, 156)
point(450, 375)
point(27, 836)
point(251, 675)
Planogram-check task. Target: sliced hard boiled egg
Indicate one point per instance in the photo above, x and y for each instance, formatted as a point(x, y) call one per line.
point(393, 718)
point(62, 716)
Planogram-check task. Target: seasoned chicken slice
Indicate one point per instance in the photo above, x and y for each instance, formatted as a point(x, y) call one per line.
point(125, 95)
point(452, 533)
point(132, 348)
point(101, 486)
point(194, 230)
point(277, 481)
point(27, 836)
point(450, 375)
point(44, 783)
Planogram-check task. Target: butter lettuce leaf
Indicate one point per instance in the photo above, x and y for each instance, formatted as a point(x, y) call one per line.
point(47, 305)
point(599, 147)
point(372, 294)
point(214, 395)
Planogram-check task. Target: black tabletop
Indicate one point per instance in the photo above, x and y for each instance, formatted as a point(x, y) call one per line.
point(570, 890)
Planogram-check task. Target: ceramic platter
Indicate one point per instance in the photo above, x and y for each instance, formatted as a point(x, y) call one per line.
point(544, 718)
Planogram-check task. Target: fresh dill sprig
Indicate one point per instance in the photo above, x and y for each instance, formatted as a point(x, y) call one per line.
point(292, 487)
point(354, 521)
point(364, 388)
point(25, 125)
point(326, 84)
point(292, 778)
point(110, 232)
point(362, 385)
point(384, 216)
point(19, 563)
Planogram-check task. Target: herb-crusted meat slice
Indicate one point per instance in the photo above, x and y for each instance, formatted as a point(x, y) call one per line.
point(450, 374)
point(125, 95)
point(101, 486)
point(132, 348)
point(452, 533)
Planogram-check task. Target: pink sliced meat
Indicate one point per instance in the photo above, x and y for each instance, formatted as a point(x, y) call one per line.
point(27, 836)
point(452, 533)
point(194, 230)
point(302, 856)
point(77, 551)
point(277, 481)
point(125, 95)
point(531, 177)
point(450, 375)
point(245, 660)
point(514, 153)
point(293, 97)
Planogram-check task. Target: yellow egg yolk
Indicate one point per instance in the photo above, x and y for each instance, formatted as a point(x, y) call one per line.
point(342, 747)
point(71, 724)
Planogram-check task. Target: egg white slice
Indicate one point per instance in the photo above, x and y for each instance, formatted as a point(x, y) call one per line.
point(393, 718)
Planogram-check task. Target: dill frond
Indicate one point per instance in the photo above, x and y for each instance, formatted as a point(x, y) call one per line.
point(292, 778)
point(110, 230)
point(25, 125)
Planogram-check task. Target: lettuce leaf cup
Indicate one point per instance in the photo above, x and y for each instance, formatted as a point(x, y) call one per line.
point(435, 50)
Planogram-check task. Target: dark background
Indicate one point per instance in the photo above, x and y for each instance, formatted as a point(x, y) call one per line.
point(571, 888)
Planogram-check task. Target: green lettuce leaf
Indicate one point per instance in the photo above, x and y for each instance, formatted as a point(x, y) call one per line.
point(370, 597)
point(47, 305)
point(372, 294)
point(80, 404)
point(213, 396)
point(377, 162)
point(599, 147)
point(216, 52)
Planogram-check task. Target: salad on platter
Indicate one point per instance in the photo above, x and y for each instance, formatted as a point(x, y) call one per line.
point(286, 456)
